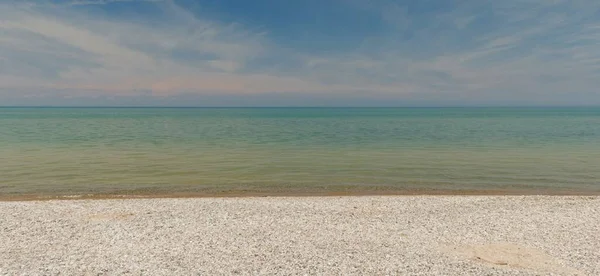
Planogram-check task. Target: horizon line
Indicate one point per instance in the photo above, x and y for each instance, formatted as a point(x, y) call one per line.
point(216, 107)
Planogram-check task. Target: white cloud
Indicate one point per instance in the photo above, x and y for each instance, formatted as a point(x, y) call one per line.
point(529, 50)
point(104, 2)
point(533, 54)
point(114, 50)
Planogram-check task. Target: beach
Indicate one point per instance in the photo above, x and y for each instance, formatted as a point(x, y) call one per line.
point(203, 137)
point(335, 235)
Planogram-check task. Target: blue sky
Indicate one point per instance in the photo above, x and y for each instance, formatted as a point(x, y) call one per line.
point(300, 53)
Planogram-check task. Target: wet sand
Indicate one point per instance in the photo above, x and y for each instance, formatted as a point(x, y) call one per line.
point(411, 235)
point(354, 191)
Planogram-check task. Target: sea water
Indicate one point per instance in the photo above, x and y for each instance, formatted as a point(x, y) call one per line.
point(65, 151)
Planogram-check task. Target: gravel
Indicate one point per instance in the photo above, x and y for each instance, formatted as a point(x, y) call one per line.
point(373, 235)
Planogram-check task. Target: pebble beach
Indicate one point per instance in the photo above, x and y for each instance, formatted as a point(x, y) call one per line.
point(361, 235)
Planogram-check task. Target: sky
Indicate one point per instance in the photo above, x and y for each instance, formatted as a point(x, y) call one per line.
point(299, 52)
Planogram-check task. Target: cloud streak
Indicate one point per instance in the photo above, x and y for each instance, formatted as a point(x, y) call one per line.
point(523, 52)
point(104, 2)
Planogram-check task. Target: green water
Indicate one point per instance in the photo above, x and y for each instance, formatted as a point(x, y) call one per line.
point(63, 151)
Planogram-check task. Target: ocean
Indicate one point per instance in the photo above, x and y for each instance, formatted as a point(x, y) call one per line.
point(237, 151)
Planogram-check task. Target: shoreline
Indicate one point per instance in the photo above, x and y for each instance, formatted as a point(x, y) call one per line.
point(252, 194)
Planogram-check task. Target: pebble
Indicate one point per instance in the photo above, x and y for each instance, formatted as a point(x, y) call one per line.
point(362, 235)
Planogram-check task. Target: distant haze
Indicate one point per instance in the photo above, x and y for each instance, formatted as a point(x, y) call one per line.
point(299, 53)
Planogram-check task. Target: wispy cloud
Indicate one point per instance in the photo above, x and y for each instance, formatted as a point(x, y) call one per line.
point(82, 51)
point(471, 52)
point(102, 2)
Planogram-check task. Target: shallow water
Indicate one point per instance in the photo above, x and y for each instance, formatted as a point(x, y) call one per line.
point(170, 150)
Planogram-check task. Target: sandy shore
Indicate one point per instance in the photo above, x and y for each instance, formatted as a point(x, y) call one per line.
point(427, 235)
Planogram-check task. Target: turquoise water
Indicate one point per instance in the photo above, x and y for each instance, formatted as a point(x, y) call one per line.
point(179, 150)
